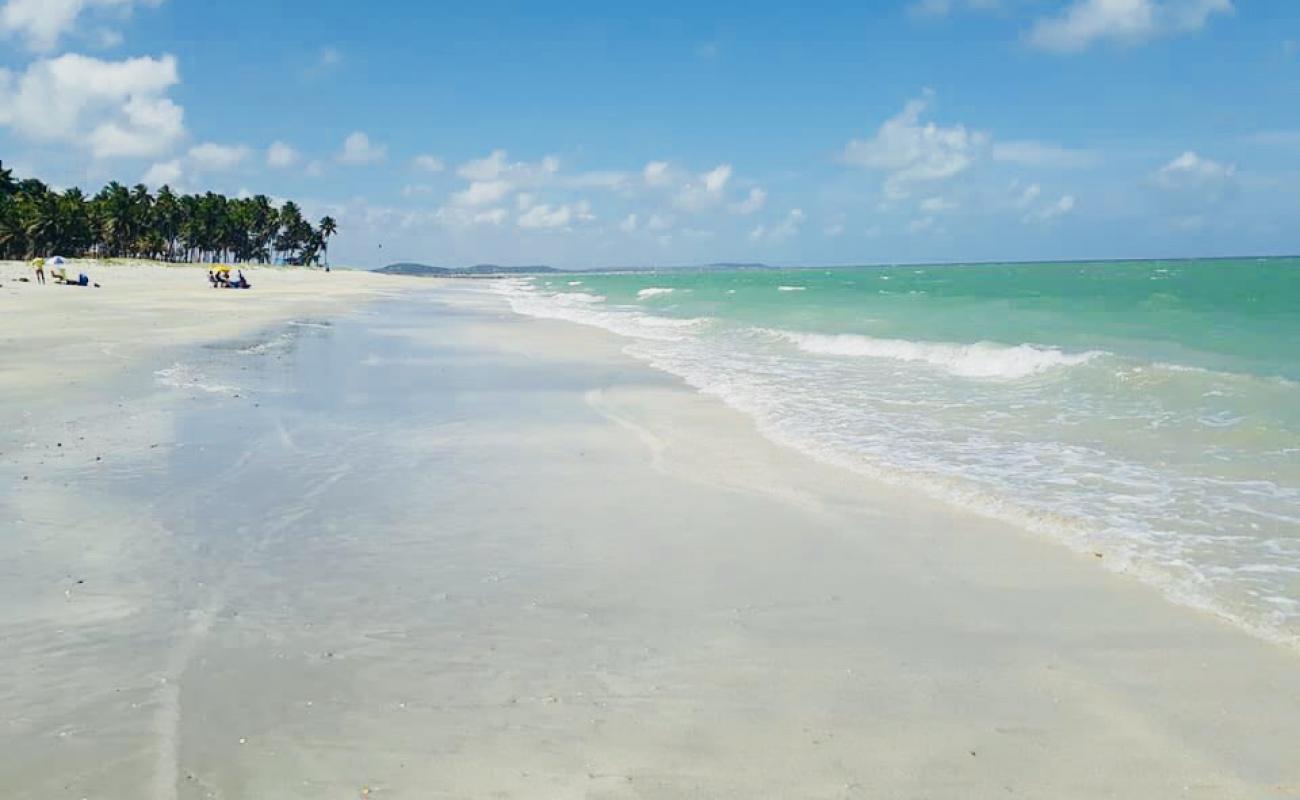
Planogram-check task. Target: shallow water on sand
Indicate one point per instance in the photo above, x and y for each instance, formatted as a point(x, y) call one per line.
point(1146, 411)
point(429, 551)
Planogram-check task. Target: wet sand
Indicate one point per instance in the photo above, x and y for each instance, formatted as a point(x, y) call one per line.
point(428, 548)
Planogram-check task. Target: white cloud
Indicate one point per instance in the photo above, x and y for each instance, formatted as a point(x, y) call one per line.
point(493, 216)
point(786, 228)
point(629, 224)
point(1190, 170)
point(483, 193)
point(315, 169)
point(1060, 208)
point(1085, 22)
point(162, 174)
point(281, 156)
point(752, 202)
point(1029, 195)
point(911, 152)
point(429, 163)
point(656, 174)
point(112, 108)
point(716, 179)
point(705, 191)
point(358, 149)
point(212, 157)
point(546, 216)
point(41, 23)
point(1040, 154)
point(497, 166)
point(416, 190)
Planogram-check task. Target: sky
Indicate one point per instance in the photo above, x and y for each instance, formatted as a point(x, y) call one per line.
point(589, 134)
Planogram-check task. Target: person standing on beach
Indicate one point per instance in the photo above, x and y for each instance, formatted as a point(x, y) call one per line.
point(39, 265)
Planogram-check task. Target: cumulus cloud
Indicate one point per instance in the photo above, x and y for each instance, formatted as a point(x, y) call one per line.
point(1191, 171)
point(1029, 194)
point(112, 108)
point(495, 179)
point(629, 224)
point(752, 202)
point(1086, 22)
point(41, 23)
point(1064, 205)
point(911, 152)
point(786, 228)
point(498, 166)
point(656, 174)
point(281, 156)
point(205, 157)
point(162, 174)
point(482, 193)
point(212, 157)
point(493, 216)
point(429, 163)
point(546, 216)
point(705, 191)
point(358, 149)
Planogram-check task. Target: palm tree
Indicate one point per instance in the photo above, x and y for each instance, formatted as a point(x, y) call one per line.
point(327, 228)
point(167, 219)
point(10, 229)
point(7, 183)
point(132, 222)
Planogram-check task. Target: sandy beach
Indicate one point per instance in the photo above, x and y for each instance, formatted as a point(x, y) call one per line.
point(351, 535)
point(55, 336)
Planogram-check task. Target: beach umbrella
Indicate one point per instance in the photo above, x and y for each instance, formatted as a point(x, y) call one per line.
point(57, 261)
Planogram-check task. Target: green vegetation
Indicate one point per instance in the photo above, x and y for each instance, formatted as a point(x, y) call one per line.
point(132, 223)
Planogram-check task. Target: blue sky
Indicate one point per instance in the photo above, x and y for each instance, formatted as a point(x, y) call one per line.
point(591, 134)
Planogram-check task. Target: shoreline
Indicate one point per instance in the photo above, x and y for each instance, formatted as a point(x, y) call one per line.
point(480, 552)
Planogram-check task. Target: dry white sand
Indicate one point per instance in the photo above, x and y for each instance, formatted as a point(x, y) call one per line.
point(54, 336)
point(560, 574)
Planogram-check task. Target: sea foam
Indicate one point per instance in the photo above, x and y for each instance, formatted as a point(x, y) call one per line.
point(978, 360)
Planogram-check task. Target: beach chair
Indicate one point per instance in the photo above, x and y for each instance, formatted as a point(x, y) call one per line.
point(59, 274)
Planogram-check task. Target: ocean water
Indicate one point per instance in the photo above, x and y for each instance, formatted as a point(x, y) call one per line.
point(1144, 413)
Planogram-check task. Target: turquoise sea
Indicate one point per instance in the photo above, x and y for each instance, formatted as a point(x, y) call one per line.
point(1147, 412)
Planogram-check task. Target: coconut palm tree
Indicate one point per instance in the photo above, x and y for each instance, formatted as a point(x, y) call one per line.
point(7, 183)
point(121, 221)
point(327, 228)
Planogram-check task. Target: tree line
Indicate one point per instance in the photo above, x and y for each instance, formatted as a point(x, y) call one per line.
point(122, 222)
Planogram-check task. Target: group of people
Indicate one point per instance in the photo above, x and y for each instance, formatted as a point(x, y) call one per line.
point(59, 274)
point(220, 279)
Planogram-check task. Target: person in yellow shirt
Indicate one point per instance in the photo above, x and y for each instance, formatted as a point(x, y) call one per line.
point(39, 265)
